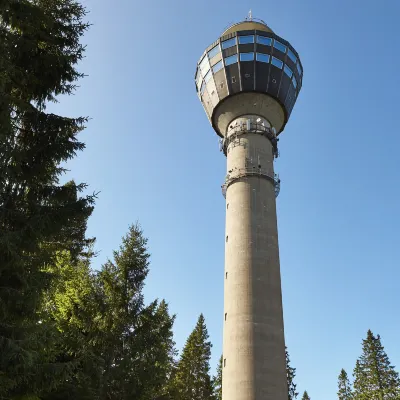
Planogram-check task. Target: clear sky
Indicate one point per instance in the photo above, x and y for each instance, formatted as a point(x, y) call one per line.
point(154, 157)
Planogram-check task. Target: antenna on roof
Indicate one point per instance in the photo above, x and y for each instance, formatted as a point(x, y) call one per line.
point(250, 16)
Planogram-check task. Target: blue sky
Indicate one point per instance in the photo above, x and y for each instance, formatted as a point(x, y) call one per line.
point(154, 158)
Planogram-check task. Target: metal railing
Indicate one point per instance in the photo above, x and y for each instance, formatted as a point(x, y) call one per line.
point(251, 171)
point(240, 129)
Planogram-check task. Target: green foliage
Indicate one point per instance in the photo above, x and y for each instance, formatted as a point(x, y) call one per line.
point(374, 376)
point(290, 375)
point(344, 386)
point(136, 340)
point(39, 44)
point(118, 347)
point(217, 381)
point(305, 396)
point(192, 380)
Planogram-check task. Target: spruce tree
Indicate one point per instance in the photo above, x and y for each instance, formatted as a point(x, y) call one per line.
point(217, 381)
point(345, 392)
point(135, 340)
point(70, 306)
point(305, 396)
point(290, 375)
point(374, 376)
point(40, 46)
point(192, 380)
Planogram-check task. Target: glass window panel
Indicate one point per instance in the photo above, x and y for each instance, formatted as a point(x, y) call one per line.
point(199, 79)
point(231, 60)
point(228, 43)
point(291, 56)
point(204, 66)
point(277, 63)
point(214, 51)
point(207, 77)
point(217, 66)
point(246, 56)
point(281, 47)
point(288, 71)
point(294, 82)
point(264, 40)
point(203, 63)
point(203, 87)
point(299, 69)
point(262, 57)
point(246, 39)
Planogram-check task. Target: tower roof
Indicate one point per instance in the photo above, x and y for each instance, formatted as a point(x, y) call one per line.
point(253, 24)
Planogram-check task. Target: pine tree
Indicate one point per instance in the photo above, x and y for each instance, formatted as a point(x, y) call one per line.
point(39, 45)
point(374, 377)
point(344, 386)
point(290, 375)
point(305, 396)
point(192, 380)
point(217, 381)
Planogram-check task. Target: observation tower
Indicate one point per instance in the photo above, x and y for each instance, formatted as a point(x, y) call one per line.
point(248, 81)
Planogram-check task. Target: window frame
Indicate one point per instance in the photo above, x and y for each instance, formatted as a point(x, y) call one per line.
point(207, 76)
point(280, 44)
point(285, 68)
point(246, 54)
point(233, 40)
point(294, 81)
point(267, 38)
point(221, 63)
point(226, 62)
point(202, 88)
point(218, 47)
point(246, 36)
point(280, 61)
point(264, 55)
point(299, 69)
point(290, 52)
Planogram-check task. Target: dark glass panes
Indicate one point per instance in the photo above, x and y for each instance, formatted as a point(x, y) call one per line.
point(277, 63)
point(264, 40)
point(288, 71)
point(299, 69)
point(217, 66)
point(294, 82)
point(262, 57)
point(246, 56)
point(228, 43)
point(292, 56)
point(231, 60)
point(281, 47)
point(214, 51)
point(246, 39)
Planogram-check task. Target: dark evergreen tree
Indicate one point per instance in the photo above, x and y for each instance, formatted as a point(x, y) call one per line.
point(305, 396)
point(192, 380)
point(374, 377)
point(136, 341)
point(39, 45)
point(344, 386)
point(217, 381)
point(290, 375)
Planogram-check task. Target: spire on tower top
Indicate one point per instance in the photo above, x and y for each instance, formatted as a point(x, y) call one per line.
point(250, 16)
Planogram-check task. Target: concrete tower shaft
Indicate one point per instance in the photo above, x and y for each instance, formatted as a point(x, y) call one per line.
point(248, 82)
point(253, 345)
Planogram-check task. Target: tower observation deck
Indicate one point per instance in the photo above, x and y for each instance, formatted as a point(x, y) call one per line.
point(248, 82)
